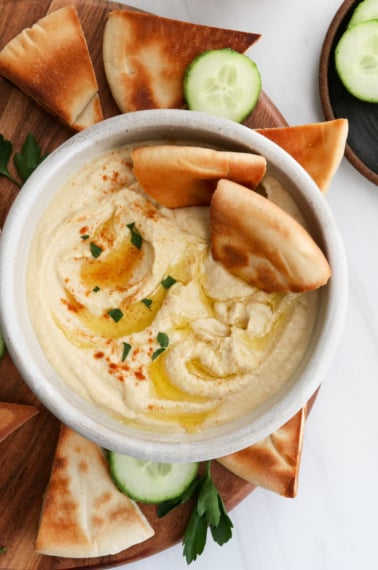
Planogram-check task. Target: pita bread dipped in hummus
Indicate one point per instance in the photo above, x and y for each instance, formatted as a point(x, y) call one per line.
point(136, 315)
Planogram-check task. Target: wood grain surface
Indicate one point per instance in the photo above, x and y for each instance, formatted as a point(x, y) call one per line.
point(26, 455)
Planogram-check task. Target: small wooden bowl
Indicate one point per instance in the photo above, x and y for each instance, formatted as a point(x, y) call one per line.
point(362, 144)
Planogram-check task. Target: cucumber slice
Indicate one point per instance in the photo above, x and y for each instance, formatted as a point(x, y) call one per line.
point(356, 60)
point(222, 82)
point(366, 10)
point(149, 481)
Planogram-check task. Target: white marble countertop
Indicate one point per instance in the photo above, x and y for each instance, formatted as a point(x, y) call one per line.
point(332, 524)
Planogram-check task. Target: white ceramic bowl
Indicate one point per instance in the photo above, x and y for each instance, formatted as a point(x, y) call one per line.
point(24, 347)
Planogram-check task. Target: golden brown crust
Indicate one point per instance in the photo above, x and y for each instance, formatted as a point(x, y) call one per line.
point(13, 416)
point(145, 56)
point(179, 176)
point(318, 147)
point(84, 514)
point(265, 246)
point(274, 462)
point(51, 63)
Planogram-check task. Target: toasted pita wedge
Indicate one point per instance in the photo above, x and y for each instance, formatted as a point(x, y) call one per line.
point(179, 176)
point(145, 56)
point(84, 514)
point(13, 416)
point(265, 246)
point(274, 462)
point(51, 63)
point(318, 147)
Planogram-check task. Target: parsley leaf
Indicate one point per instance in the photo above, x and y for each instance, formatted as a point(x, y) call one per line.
point(163, 341)
point(208, 504)
point(194, 536)
point(208, 512)
point(126, 350)
point(136, 238)
point(222, 532)
point(96, 250)
point(29, 158)
point(25, 161)
point(3, 549)
point(115, 314)
point(147, 302)
point(157, 353)
point(5, 154)
point(168, 282)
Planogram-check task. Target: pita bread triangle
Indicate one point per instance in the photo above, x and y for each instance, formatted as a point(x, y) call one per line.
point(13, 416)
point(84, 514)
point(318, 147)
point(51, 63)
point(266, 246)
point(179, 176)
point(274, 462)
point(145, 56)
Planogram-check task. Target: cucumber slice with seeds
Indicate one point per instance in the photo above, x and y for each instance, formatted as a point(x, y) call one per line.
point(222, 82)
point(356, 60)
point(149, 481)
point(366, 10)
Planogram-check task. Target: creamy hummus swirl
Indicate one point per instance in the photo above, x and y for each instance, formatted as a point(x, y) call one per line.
point(136, 316)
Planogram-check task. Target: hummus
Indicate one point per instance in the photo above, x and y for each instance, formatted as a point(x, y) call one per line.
point(135, 315)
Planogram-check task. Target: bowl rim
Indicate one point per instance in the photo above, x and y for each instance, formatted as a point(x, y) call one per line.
point(65, 408)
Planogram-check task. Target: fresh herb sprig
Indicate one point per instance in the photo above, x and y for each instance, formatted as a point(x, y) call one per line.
point(29, 158)
point(25, 161)
point(208, 512)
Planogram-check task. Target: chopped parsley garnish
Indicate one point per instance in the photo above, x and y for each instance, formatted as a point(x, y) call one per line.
point(168, 282)
point(96, 289)
point(3, 549)
point(96, 250)
point(126, 350)
point(163, 341)
point(147, 302)
point(84, 237)
point(115, 314)
point(157, 353)
point(136, 238)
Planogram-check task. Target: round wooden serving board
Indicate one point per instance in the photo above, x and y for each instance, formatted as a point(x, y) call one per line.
point(26, 455)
